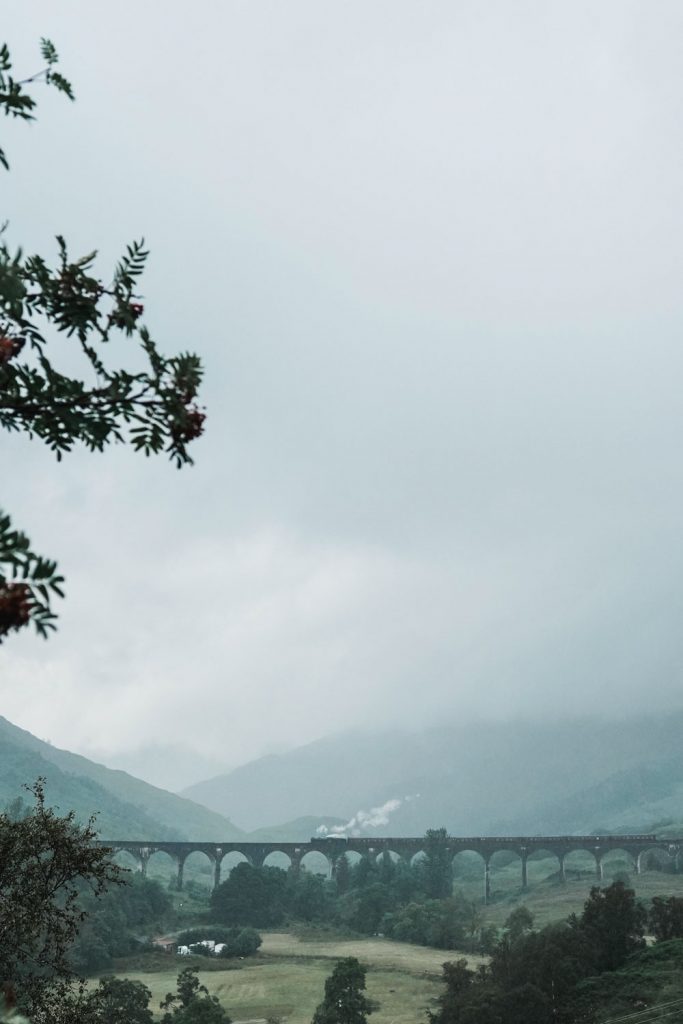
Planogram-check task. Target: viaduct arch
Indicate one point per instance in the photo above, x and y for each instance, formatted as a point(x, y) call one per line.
point(636, 846)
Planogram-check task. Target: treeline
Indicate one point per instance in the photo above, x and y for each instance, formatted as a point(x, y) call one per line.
point(408, 902)
point(117, 923)
point(120, 922)
point(589, 967)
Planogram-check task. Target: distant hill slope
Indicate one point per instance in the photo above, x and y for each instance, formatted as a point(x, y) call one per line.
point(298, 831)
point(128, 807)
point(473, 778)
point(65, 792)
point(649, 797)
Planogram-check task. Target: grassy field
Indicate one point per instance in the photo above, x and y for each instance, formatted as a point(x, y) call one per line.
point(378, 953)
point(293, 988)
point(288, 978)
point(549, 900)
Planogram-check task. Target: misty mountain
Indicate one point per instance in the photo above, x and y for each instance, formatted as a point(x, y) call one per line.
point(647, 797)
point(128, 808)
point(473, 779)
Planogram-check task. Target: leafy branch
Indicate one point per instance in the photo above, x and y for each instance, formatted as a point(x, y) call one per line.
point(154, 410)
point(28, 582)
point(14, 99)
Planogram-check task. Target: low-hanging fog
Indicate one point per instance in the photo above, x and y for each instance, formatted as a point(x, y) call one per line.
point(430, 253)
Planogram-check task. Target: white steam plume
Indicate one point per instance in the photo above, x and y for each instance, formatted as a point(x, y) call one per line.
point(376, 817)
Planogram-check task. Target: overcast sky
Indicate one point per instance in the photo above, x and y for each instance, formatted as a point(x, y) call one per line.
point(430, 253)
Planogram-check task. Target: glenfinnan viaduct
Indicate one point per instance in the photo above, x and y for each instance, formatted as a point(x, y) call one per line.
point(636, 847)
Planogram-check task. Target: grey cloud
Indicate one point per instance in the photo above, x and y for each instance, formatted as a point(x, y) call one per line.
point(430, 254)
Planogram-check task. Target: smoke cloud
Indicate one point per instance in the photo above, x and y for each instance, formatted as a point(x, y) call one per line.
point(362, 821)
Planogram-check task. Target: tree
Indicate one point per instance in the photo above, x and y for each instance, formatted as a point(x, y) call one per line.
point(457, 978)
point(553, 961)
point(614, 921)
point(154, 409)
point(308, 896)
point(115, 920)
point(120, 1001)
point(519, 922)
point(345, 1001)
point(363, 909)
point(191, 1003)
point(251, 896)
point(437, 869)
point(247, 942)
point(46, 862)
point(342, 875)
point(666, 918)
point(387, 869)
point(440, 923)
point(364, 872)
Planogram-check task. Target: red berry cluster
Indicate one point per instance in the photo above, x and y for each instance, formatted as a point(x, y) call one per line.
point(191, 427)
point(9, 347)
point(133, 311)
point(15, 607)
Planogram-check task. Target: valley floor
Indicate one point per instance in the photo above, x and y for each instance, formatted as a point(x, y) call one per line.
point(288, 978)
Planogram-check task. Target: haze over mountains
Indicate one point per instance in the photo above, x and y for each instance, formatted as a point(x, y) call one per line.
point(489, 777)
point(583, 776)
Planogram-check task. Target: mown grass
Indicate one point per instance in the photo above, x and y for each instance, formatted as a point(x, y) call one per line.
point(292, 988)
point(377, 952)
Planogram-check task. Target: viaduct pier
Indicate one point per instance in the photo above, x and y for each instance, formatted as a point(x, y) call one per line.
point(635, 847)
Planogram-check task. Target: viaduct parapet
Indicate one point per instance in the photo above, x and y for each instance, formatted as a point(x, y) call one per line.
point(636, 847)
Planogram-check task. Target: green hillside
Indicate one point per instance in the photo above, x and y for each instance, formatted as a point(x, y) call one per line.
point(128, 807)
point(66, 792)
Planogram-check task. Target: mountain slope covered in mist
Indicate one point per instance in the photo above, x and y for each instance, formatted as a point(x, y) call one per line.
point(649, 796)
point(128, 808)
point(472, 779)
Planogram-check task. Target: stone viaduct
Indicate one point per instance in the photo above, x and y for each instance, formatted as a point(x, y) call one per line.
point(636, 847)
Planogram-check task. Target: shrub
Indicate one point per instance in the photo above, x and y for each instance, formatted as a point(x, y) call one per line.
point(237, 941)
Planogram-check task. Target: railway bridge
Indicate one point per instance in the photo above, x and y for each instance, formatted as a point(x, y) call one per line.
point(636, 847)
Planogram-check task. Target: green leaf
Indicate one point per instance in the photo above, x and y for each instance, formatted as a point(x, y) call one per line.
point(48, 51)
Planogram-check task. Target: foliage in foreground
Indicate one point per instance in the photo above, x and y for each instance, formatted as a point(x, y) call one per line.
point(150, 402)
point(649, 978)
point(543, 977)
point(115, 921)
point(46, 862)
point(120, 1001)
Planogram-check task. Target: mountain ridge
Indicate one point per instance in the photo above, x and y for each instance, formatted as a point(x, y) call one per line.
point(123, 801)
